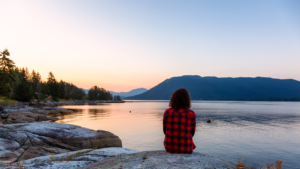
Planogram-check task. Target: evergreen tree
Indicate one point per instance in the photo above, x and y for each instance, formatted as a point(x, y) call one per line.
point(22, 92)
point(96, 93)
point(38, 77)
point(38, 90)
point(53, 86)
point(117, 98)
point(62, 89)
point(35, 77)
point(45, 91)
point(6, 72)
point(29, 78)
point(15, 83)
point(22, 89)
point(31, 94)
point(24, 75)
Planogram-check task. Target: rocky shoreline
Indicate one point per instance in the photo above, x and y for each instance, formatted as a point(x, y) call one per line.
point(28, 141)
point(16, 104)
point(24, 141)
point(10, 115)
point(116, 158)
point(75, 102)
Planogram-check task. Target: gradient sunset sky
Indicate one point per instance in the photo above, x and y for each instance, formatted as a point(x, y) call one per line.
point(126, 44)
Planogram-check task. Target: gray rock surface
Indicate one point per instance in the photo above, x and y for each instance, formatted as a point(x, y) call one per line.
point(114, 157)
point(24, 141)
point(161, 160)
point(74, 160)
point(30, 114)
point(2, 165)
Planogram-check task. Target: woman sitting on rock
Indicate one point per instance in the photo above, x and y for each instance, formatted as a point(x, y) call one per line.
point(179, 124)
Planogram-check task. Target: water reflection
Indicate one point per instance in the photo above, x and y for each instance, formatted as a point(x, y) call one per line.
point(260, 131)
point(98, 113)
point(78, 114)
point(69, 118)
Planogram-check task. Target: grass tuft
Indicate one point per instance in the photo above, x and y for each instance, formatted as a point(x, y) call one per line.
point(241, 165)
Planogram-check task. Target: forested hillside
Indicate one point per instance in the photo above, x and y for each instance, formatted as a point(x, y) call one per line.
point(21, 85)
point(29, 86)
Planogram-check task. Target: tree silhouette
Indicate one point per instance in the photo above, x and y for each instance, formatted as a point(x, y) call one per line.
point(6, 72)
point(53, 86)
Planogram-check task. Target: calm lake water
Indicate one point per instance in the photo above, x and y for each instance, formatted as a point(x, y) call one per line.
point(261, 132)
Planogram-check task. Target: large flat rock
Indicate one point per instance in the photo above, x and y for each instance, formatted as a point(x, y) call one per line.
point(24, 141)
point(72, 160)
point(116, 158)
point(161, 160)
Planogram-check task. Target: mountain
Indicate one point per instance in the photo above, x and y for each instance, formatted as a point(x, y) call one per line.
point(213, 88)
point(130, 93)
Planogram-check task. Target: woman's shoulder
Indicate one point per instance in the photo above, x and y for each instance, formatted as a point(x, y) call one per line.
point(169, 109)
point(191, 112)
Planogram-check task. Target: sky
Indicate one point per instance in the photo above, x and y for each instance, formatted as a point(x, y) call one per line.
point(121, 45)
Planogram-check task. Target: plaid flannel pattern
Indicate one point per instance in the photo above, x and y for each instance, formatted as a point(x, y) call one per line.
point(178, 126)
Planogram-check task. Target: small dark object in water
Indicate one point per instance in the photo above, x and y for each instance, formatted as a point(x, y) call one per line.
point(208, 121)
point(145, 156)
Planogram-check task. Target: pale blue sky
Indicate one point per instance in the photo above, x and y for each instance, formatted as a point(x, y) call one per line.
point(122, 45)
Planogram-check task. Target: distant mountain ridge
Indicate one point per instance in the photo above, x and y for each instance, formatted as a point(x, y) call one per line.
point(124, 94)
point(130, 93)
point(213, 88)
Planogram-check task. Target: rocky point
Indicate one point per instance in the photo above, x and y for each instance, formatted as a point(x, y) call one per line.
point(24, 141)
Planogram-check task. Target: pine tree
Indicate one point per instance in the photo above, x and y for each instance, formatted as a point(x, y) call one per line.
point(62, 89)
point(53, 86)
point(96, 93)
point(29, 78)
point(38, 90)
point(38, 77)
point(35, 77)
point(6, 72)
point(22, 91)
point(31, 93)
point(24, 75)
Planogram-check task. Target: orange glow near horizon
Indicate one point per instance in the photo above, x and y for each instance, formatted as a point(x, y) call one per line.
point(119, 84)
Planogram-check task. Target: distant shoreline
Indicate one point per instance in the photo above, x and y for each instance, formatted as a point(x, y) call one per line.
point(272, 100)
point(53, 103)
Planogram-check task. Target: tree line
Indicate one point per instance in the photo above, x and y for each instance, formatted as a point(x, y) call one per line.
point(97, 93)
point(18, 84)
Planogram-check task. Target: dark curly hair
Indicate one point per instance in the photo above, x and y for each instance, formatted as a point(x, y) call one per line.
point(180, 99)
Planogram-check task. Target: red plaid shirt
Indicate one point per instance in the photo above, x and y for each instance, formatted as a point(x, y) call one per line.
point(179, 127)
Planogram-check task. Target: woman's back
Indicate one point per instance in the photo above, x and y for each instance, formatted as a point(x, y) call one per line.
point(179, 126)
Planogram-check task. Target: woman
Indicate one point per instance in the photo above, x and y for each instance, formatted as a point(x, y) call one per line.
point(179, 124)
